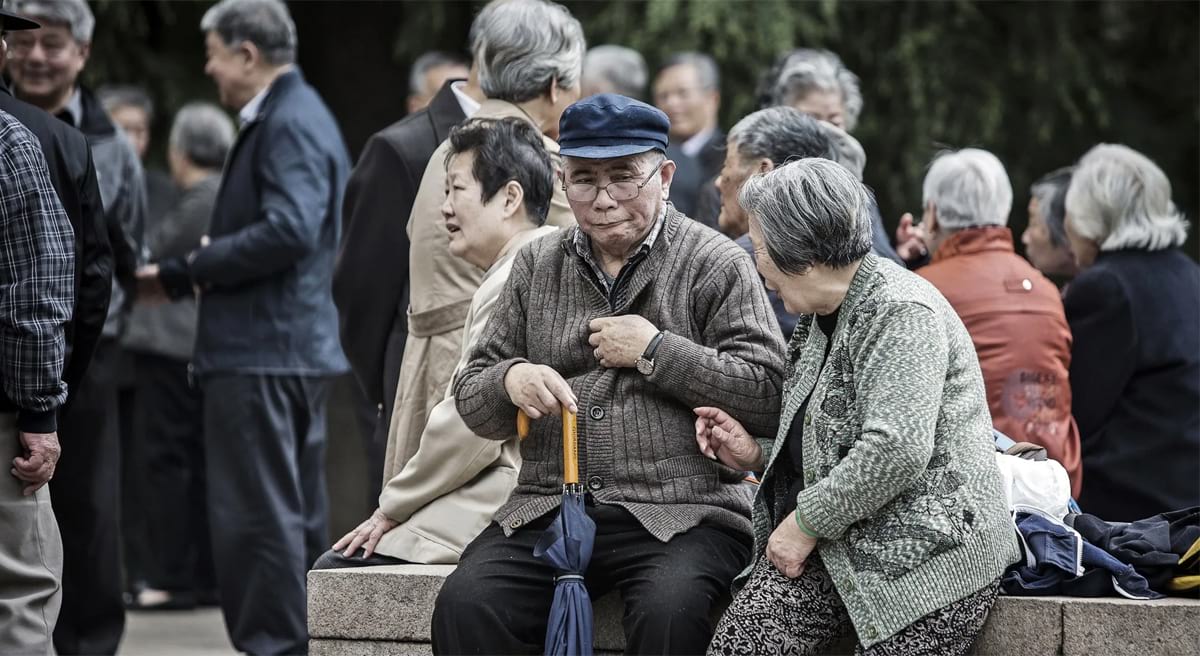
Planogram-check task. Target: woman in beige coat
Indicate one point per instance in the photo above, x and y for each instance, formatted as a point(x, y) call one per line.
point(499, 181)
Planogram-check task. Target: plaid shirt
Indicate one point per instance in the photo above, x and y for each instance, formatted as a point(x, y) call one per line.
point(37, 266)
point(614, 287)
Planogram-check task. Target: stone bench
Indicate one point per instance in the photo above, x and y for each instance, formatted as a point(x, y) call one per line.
point(384, 611)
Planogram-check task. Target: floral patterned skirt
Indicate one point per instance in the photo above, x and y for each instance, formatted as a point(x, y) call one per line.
point(773, 614)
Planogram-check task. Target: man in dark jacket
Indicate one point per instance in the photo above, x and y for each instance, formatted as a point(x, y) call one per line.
point(370, 280)
point(688, 89)
point(266, 341)
point(45, 65)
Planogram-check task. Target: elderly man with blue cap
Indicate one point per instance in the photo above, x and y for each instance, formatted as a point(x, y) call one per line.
point(632, 319)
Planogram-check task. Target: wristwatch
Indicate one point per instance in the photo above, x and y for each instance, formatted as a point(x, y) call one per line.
point(645, 364)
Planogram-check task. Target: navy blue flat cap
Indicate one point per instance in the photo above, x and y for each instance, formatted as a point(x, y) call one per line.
point(608, 125)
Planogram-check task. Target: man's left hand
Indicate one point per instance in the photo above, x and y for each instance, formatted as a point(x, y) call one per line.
point(788, 548)
point(150, 290)
point(620, 341)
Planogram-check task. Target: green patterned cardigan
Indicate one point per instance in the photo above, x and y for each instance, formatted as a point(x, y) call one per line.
point(901, 482)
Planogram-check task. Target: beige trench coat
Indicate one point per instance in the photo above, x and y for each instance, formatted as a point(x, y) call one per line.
point(446, 494)
point(441, 289)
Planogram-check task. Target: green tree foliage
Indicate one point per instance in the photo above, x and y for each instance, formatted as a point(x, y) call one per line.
point(1035, 82)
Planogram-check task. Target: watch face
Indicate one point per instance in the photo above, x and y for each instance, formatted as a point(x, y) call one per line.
point(645, 367)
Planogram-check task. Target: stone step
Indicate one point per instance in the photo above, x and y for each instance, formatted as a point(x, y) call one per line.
point(386, 611)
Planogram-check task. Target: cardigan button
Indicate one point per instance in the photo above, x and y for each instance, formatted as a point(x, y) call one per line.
point(516, 523)
point(849, 585)
point(809, 478)
point(869, 633)
point(807, 419)
point(596, 412)
point(595, 482)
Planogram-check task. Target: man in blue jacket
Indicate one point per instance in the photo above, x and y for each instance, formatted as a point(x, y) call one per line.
point(267, 338)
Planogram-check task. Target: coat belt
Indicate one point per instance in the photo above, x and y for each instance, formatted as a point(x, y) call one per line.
point(439, 320)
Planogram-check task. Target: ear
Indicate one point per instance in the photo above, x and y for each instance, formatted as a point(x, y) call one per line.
point(554, 91)
point(514, 198)
point(666, 173)
point(251, 52)
point(930, 218)
point(765, 165)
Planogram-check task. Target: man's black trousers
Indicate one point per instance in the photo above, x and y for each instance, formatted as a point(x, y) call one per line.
point(267, 507)
point(498, 599)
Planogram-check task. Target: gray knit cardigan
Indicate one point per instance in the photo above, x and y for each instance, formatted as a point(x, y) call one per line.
point(636, 433)
point(900, 474)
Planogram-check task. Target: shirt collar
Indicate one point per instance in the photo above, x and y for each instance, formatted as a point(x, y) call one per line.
point(250, 111)
point(695, 144)
point(73, 111)
point(468, 104)
point(583, 243)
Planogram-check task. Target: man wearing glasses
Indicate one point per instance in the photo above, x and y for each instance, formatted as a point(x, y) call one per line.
point(632, 319)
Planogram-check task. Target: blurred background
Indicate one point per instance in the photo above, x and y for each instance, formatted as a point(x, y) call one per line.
point(1037, 83)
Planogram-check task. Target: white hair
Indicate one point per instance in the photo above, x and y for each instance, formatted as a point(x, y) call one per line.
point(265, 23)
point(75, 14)
point(1120, 199)
point(202, 133)
point(804, 70)
point(968, 188)
point(521, 47)
point(845, 149)
point(624, 69)
point(812, 211)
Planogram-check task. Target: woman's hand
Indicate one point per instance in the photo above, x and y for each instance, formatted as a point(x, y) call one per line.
point(788, 547)
point(366, 535)
point(722, 438)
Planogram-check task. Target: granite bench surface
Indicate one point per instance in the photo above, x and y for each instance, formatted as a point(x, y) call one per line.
point(378, 611)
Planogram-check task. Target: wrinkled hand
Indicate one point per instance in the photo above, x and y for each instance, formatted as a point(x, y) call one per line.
point(367, 535)
point(538, 390)
point(723, 438)
point(36, 465)
point(620, 341)
point(911, 239)
point(788, 547)
point(149, 288)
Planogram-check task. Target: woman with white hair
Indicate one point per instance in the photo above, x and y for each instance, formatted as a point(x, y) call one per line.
point(880, 503)
point(1134, 310)
point(815, 82)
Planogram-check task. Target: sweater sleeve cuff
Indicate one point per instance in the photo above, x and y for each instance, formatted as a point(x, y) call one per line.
point(33, 421)
point(817, 514)
point(491, 414)
point(677, 362)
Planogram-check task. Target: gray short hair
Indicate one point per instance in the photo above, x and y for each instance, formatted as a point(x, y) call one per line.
point(812, 211)
point(804, 70)
point(429, 61)
point(968, 188)
point(622, 68)
point(117, 96)
point(75, 14)
point(265, 23)
point(1050, 191)
point(780, 134)
point(1120, 199)
point(706, 68)
point(202, 133)
point(847, 151)
point(521, 47)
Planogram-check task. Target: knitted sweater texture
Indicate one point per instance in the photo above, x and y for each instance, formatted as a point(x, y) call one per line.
point(636, 433)
point(900, 475)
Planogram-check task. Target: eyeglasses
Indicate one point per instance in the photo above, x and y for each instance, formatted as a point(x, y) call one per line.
point(586, 192)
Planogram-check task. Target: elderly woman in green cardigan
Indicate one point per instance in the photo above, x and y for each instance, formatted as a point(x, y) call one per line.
point(880, 505)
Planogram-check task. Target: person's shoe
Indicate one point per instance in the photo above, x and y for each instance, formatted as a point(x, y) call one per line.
point(152, 599)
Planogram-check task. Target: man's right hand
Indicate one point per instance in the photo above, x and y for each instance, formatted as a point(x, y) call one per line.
point(910, 239)
point(36, 466)
point(538, 390)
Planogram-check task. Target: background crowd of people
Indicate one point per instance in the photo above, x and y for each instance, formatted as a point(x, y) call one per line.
point(213, 303)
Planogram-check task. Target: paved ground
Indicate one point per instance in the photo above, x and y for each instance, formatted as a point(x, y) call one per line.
point(178, 633)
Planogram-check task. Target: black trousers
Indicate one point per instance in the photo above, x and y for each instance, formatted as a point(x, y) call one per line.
point(170, 429)
point(267, 506)
point(86, 500)
point(498, 599)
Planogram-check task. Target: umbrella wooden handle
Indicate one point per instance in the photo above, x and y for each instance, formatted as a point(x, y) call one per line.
point(522, 424)
point(570, 436)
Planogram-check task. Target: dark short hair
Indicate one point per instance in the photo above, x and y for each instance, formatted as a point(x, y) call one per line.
point(507, 149)
point(1051, 193)
point(429, 61)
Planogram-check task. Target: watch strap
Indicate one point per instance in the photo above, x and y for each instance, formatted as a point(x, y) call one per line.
point(653, 345)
